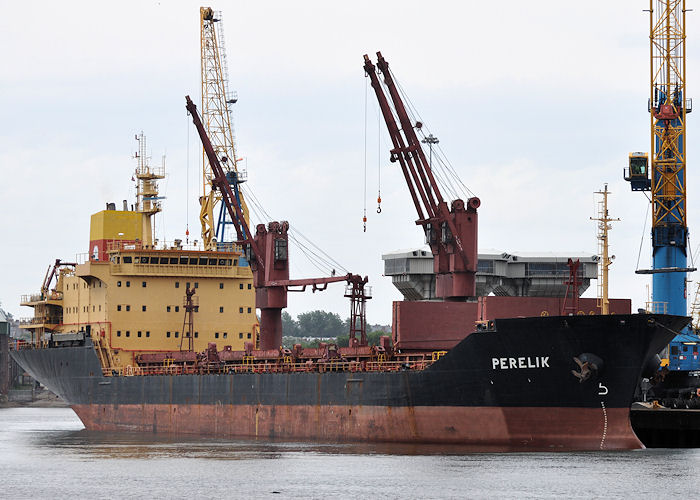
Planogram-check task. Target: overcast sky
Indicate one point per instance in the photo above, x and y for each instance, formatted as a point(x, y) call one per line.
point(536, 105)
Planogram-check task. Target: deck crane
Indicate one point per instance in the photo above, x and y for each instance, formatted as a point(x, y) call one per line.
point(267, 253)
point(666, 177)
point(450, 232)
point(51, 273)
point(216, 116)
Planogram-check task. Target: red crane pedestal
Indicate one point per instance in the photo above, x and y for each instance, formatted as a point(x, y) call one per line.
point(273, 244)
point(454, 278)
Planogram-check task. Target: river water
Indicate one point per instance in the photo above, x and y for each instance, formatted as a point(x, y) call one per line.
point(46, 453)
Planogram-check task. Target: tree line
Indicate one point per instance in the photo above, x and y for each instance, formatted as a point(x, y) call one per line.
point(323, 325)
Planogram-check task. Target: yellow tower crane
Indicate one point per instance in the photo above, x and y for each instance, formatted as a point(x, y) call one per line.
point(216, 118)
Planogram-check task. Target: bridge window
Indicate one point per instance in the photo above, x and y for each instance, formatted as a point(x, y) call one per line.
point(548, 269)
point(485, 266)
point(396, 266)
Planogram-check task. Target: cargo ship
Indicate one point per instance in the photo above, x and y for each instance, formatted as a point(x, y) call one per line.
point(114, 339)
point(155, 337)
point(515, 383)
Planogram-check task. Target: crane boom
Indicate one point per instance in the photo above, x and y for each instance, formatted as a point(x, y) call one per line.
point(219, 182)
point(455, 250)
point(267, 253)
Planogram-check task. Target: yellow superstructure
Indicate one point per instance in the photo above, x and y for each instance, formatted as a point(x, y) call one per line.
point(132, 301)
point(128, 293)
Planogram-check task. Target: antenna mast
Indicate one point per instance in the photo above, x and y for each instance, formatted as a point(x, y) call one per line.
point(604, 226)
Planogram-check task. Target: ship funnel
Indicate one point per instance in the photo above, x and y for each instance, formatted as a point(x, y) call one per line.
point(126, 206)
point(111, 206)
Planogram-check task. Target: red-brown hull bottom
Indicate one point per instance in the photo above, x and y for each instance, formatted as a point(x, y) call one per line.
point(534, 428)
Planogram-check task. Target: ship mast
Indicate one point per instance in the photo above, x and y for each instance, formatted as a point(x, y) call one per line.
point(147, 199)
point(190, 304)
point(604, 226)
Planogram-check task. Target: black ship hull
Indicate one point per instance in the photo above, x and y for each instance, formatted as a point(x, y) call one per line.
point(518, 385)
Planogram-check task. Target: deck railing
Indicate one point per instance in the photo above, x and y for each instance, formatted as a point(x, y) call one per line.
point(330, 366)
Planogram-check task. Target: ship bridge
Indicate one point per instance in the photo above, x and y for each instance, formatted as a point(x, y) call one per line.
point(517, 274)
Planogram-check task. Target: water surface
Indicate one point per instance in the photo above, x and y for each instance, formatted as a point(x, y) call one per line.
point(46, 453)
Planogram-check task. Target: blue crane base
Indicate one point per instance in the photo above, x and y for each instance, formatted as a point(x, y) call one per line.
point(670, 295)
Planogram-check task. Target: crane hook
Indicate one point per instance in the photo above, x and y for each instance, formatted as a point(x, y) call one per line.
point(379, 204)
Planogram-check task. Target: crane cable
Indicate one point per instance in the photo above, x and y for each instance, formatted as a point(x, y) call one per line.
point(379, 164)
point(318, 258)
point(641, 242)
point(442, 168)
point(187, 183)
point(364, 195)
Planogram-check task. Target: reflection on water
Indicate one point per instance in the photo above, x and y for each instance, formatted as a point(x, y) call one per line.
point(47, 453)
point(139, 445)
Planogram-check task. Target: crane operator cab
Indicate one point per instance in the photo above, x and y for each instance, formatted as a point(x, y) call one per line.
point(638, 172)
